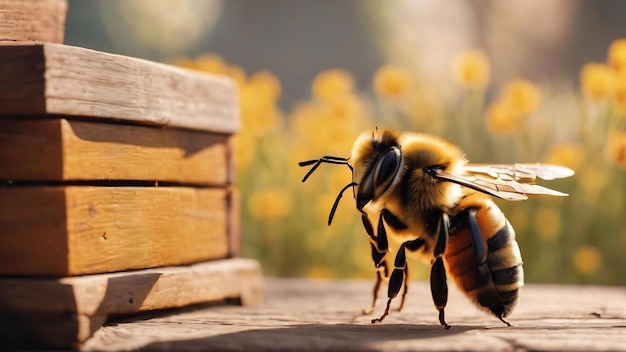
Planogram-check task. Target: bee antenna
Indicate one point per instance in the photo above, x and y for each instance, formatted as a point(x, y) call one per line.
point(325, 159)
point(334, 208)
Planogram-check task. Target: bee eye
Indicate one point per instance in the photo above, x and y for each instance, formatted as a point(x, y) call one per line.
point(387, 167)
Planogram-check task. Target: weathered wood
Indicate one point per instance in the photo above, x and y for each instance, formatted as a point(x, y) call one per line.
point(64, 312)
point(305, 315)
point(74, 230)
point(32, 20)
point(62, 150)
point(58, 79)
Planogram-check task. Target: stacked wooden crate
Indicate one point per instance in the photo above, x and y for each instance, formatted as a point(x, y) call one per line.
point(116, 191)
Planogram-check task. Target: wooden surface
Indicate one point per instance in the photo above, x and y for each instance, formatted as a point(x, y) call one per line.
point(32, 20)
point(58, 79)
point(74, 230)
point(63, 312)
point(303, 315)
point(64, 150)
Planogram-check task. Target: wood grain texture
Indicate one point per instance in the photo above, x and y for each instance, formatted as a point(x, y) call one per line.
point(234, 222)
point(33, 20)
point(65, 150)
point(309, 315)
point(58, 79)
point(61, 313)
point(75, 230)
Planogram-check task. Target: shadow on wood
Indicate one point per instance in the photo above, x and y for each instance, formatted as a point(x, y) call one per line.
point(317, 337)
point(58, 316)
point(313, 315)
point(55, 150)
point(63, 313)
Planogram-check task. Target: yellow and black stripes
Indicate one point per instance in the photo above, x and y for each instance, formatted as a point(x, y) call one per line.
point(505, 262)
point(484, 259)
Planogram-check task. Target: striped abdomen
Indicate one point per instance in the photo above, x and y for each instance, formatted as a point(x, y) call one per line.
point(495, 286)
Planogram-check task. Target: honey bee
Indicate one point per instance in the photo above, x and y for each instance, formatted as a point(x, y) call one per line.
point(420, 191)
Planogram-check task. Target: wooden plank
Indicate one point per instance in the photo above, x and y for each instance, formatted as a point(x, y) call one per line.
point(324, 315)
point(75, 230)
point(33, 20)
point(49, 78)
point(234, 222)
point(64, 150)
point(61, 313)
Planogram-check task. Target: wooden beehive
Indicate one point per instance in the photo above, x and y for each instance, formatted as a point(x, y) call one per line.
point(116, 191)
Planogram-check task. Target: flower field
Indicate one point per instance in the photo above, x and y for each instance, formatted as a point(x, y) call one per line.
point(580, 123)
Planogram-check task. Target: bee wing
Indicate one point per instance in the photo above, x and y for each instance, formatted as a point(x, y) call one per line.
point(495, 189)
point(524, 173)
point(508, 181)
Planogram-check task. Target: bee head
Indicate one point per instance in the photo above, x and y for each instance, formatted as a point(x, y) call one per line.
point(378, 163)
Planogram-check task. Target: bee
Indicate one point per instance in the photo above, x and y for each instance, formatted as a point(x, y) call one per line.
point(419, 191)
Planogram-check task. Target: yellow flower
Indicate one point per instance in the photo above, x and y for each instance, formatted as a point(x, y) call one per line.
point(471, 69)
point(212, 63)
point(266, 83)
point(344, 109)
point(320, 131)
point(335, 138)
point(617, 55)
point(616, 147)
point(302, 118)
point(547, 224)
point(244, 149)
point(587, 260)
point(392, 81)
point(259, 113)
point(522, 96)
point(596, 81)
point(270, 204)
point(566, 154)
point(501, 119)
point(330, 84)
point(619, 92)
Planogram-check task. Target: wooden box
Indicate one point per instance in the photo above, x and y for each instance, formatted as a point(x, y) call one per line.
point(116, 186)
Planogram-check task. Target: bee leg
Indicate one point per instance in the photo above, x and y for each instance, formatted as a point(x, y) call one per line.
point(395, 281)
point(382, 273)
point(481, 257)
point(381, 236)
point(411, 246)
point(504, 321)
point(378, 258)
point(438, 281)
point(380, 245)
point(395, 223)
point(369, 229)
point(439, 289)
point(406, 288)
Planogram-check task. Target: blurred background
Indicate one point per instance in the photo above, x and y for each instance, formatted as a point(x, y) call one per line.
point(506, 81)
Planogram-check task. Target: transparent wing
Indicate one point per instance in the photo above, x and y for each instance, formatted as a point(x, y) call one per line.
point(511, 182)
point(520, 172)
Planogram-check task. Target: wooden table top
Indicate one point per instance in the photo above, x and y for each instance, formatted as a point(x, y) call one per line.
point(315, 315)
